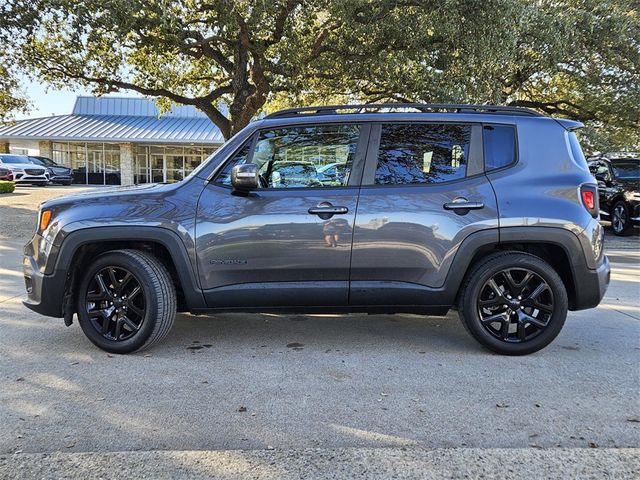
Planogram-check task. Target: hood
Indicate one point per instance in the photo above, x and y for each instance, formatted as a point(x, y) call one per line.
point(21, 166)
point(630, 183)
point(58, 169)
point(109, 194)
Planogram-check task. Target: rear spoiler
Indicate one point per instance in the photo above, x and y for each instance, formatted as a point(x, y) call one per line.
point(569, 124)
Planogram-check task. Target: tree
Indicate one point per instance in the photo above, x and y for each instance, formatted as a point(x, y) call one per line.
point(576, 58)
point(11, 100)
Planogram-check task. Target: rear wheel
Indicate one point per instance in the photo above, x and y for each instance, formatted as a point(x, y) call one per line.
point(126, 301)
point(513, 303)
point(621, 219)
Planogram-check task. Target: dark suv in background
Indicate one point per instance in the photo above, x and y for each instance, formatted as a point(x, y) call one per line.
point(488, 210)
point(619, 190)
point(57, 173)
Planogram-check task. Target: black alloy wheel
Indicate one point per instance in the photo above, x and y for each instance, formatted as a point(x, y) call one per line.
point(513, 302)
point(515, 305)
point(115, 303)
point(126, 301)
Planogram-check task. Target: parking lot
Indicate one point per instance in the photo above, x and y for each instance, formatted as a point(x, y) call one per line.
point(276, 396)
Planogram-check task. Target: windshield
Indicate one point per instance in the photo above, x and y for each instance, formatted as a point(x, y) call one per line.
point(14, 159)
point(43, 161)
point(626, 169)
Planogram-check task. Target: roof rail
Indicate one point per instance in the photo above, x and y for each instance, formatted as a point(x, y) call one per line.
point(422, 107)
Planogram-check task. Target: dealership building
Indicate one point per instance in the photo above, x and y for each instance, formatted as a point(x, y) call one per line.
point(118, 140)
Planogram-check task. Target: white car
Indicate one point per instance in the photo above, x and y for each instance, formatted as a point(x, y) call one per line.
point(23, 170)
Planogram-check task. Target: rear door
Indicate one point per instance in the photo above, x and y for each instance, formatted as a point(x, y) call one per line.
point(423, 193)
point(289, 242)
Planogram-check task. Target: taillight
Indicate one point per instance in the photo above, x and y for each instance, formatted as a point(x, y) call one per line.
point(589, 195)
point(589, 199)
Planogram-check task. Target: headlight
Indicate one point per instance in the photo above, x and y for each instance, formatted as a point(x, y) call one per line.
point(17, 170)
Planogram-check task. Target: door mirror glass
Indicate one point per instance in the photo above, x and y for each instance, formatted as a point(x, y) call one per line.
point(244, 177)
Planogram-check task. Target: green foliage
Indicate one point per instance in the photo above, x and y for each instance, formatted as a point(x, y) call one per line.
point(572, 58)
point(7, 187)
point(11, 100)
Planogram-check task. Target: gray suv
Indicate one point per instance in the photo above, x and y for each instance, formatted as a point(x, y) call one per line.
point(489, 210)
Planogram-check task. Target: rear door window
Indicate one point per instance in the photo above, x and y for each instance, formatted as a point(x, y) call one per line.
point(422, 153)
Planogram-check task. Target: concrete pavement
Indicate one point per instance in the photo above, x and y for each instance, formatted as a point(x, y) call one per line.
point(343, 395)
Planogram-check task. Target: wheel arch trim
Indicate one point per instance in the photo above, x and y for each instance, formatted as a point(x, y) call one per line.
point(168, 239)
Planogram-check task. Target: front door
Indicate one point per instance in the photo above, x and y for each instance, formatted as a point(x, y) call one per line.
point(289, 242)
point(423, 192)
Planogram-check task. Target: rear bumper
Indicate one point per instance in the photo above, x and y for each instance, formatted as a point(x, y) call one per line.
point(591, 285)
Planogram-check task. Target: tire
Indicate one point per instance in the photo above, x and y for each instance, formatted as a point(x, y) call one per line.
point(512, 313)
point(621, 222)
point(150, 312)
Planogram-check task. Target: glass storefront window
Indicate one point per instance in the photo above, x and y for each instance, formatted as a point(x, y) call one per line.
point(168, 163)
point(99, 163)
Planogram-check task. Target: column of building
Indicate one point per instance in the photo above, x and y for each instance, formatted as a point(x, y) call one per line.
point(46, 148)
point(126, 164)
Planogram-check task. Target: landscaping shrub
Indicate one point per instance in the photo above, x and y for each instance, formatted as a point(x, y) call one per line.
point(7, 187)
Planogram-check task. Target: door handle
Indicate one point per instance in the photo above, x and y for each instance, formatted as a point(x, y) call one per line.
point(328, 210)
point(325, 210)
point(463, 206)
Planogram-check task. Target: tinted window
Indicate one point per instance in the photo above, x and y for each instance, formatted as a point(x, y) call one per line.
point(424, 153)
point(292, 157)
point(626, 169)
point(296, 157)
point(499, 146)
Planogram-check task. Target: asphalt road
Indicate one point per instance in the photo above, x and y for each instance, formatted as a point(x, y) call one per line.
point(295, 396)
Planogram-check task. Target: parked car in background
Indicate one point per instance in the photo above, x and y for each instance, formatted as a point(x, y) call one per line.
point(489, 210)
point(24, 171)
point(57, 173)
point(6, 174)
point(618, 191)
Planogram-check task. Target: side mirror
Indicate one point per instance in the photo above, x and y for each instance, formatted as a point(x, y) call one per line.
point(245, 177)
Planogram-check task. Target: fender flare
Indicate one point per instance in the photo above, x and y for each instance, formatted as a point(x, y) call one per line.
point(168, 239)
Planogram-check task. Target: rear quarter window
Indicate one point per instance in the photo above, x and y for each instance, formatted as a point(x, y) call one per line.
point(499, 146)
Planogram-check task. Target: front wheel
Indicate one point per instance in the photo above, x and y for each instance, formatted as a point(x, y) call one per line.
point(513, 303)
point(126, 301)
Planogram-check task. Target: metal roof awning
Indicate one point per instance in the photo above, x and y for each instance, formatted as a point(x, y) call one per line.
point(115, 128)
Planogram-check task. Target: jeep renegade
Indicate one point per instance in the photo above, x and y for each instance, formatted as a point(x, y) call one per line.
point(489, 210)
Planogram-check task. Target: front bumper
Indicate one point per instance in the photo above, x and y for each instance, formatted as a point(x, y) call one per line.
point(44, 283)
point(45, 293)
point(25, 178)
point(61, 178)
